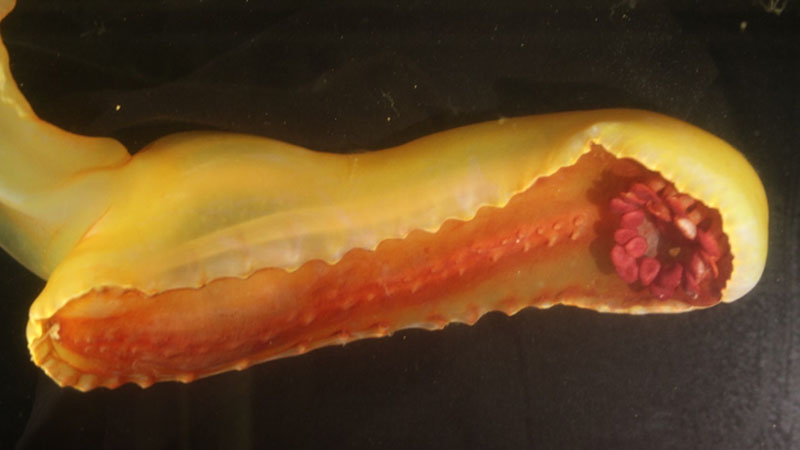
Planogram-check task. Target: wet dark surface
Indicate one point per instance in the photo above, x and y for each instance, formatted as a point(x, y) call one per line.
point(341, 76)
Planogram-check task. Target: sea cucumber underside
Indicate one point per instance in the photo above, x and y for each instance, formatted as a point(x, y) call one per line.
point(555, 242)
point(207, 252)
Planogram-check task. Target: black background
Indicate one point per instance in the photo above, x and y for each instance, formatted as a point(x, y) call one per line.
point(348, 75)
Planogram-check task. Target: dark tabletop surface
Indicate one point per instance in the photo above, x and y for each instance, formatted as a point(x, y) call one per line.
point(347, 75)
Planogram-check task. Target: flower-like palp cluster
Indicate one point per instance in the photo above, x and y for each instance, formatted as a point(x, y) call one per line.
point(665, 240)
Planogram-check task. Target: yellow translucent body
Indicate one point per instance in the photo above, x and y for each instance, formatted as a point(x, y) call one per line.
point(195, 207)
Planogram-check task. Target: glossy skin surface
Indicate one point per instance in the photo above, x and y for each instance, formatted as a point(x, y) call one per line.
point(232, 206)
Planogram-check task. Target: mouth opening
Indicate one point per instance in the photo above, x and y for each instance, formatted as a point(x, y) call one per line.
point(668, 242)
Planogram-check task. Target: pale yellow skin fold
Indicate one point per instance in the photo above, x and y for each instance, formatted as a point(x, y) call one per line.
point(194, 207)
